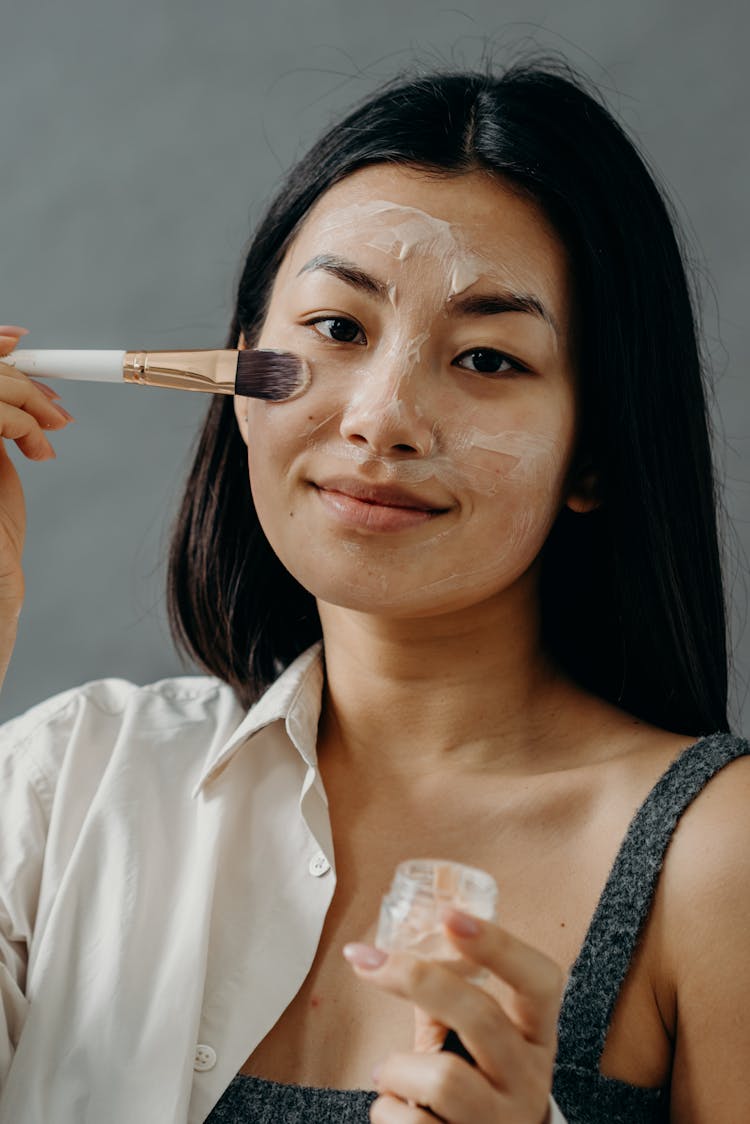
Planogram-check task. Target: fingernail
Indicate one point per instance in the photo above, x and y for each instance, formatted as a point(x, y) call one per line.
point(364, 956)
point(63, 411)
point(51, 394)
point(461, 923)
point(13, 330)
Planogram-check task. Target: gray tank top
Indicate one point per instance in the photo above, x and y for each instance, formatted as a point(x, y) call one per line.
point(583, 1094)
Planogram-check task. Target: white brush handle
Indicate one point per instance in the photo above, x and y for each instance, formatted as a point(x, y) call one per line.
point(92, 366)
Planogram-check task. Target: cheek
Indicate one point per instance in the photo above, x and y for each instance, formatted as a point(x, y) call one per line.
point(280, 437)
point(517, 495)
point(521, 466)
point(279, 430)
point(266, 454)
point(291, 426)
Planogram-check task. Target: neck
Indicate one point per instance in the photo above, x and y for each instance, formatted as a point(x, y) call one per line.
point(468, 691)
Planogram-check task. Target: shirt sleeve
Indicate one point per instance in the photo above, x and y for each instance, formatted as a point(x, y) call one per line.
point(26, 793)
point(22, 839)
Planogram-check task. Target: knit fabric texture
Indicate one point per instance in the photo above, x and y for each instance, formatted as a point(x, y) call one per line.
point(584, 1095)
point(256, 1100)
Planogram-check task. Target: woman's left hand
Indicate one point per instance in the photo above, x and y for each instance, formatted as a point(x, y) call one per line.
point(513, 1043)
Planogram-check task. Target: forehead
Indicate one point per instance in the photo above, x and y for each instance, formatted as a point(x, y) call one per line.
point(402, 212)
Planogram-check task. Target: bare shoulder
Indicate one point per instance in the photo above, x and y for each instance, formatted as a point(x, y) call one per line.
point(711, 845)
point(703, 915)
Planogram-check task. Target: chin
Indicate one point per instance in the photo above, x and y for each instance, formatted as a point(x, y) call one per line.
point(360, 598)
point(391, 587)
point(392, 600)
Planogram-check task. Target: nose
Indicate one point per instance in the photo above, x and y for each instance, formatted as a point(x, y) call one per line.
point(385, 416)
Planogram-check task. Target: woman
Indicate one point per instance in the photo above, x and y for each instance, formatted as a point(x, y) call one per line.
point(494, 505)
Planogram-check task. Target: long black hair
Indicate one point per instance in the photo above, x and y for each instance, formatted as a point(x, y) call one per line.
point(631, 594)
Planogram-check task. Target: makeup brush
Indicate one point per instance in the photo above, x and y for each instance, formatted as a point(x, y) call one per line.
point(252, 372)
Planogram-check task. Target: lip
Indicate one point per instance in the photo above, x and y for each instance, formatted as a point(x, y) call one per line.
point(384, 495)
point(375, 507)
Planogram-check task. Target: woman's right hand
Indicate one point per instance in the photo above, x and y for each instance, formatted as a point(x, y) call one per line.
point(26, 410)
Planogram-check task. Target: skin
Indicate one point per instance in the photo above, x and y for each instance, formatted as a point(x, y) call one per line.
point(453, 600)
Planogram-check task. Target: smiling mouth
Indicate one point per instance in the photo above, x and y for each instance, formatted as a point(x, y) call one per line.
point(380, 495)
point(375, 509)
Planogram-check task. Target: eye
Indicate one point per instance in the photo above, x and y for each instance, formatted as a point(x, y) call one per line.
point(342, 329)
point(488, 361)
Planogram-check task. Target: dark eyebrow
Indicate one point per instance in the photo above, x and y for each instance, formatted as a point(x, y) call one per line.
point(476, 304)
point(490, 304)
point(349, 272)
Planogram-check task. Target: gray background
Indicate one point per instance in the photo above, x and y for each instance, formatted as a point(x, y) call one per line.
point(139, 144)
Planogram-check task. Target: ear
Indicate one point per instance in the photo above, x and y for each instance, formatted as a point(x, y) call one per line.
point(240, 401)
point(584, 494)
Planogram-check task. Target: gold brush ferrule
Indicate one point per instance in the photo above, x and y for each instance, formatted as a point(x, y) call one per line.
point(212, 371)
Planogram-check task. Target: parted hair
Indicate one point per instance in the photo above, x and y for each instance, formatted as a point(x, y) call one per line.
point(632, 601)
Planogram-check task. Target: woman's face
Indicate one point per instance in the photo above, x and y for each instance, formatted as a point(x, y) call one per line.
point(422, 470)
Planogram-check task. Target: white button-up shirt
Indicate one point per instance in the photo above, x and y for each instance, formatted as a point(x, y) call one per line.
point(166, 866)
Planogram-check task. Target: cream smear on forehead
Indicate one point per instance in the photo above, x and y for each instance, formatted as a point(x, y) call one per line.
point(403, 233)
point(413, 230)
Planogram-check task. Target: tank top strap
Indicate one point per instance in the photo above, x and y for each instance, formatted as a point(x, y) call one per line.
point(602, 964)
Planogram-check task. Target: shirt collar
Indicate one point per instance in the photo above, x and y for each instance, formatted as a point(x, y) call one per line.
point(294, 698)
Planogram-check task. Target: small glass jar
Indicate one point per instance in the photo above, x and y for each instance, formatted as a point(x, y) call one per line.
point(410, 913)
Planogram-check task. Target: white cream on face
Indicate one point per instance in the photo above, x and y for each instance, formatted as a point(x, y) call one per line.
point(402, 232)
point(444, 267)
point(518, 456)
point(393, 407)
point(406, 231)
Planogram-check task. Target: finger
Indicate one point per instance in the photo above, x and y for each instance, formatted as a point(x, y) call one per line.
point(446, 1085)
point(390, 1110)
point(536, 979)
point(47, 391)
point(10, 334)
point(478, 1019)
point(9, 371)
point(19, 426)
point(26, 394)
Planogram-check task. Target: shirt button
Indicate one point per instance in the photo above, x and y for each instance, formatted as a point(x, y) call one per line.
point(319, 864)
point(205, 1057)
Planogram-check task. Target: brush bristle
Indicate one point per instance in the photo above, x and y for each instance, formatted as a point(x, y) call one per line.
point(271, 374)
